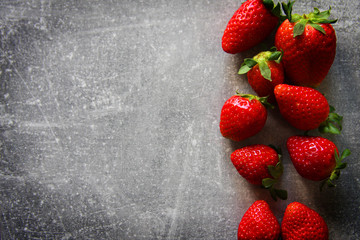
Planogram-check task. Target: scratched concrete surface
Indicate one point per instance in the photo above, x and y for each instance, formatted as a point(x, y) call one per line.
point(109, 114)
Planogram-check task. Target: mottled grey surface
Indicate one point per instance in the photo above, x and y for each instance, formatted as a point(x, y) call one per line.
point(109, 114)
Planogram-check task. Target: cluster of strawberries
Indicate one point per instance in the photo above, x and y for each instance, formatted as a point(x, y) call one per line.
point(286, 76)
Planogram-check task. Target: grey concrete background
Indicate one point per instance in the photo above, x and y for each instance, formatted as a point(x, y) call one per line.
point(109, 122)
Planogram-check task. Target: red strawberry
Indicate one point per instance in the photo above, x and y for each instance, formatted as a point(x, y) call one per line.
point(306, 108)
point(264, 72)
point(301, 222)
point(260, 165)
point(258, 223)
point(316, 158)
point(250, 25)
point(242, 116)
point(309, 45)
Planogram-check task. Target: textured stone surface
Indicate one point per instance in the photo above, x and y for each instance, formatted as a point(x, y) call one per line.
point(109, 116)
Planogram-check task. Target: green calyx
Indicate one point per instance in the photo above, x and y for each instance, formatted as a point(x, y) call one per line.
point(333, 124)
point(275, 9)
point(313, 19)
point(335, 174)
point(261, 59)
point(276, 172)
point(251, 97)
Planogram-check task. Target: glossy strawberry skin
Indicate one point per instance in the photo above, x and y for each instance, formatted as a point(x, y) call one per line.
point(242, 118)
point(312, 157)
point(303, 107)
point(301, 222)
point(307, 58)
point(249, 26)
point(258, 223)
point(252, 162)
point(262, 86)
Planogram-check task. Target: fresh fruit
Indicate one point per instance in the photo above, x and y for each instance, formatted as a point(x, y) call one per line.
point(258, 223)
point(316, 158)
point(301, 222)
point(264, 72)
point(250, 25)
point(260, 165)
point(242, 116)
point(309, 45)
point(306, 108)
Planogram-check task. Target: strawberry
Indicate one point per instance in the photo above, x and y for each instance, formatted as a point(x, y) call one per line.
point(250, 25)
point(260, 165)
point(301, 222)
point(259, 222)
point(264, 72)
point(309, 45)
point(242, 116)
point(306, 108)
point(316, 158)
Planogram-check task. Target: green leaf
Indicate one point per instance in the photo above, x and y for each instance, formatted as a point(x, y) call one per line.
point(269, 4)
point(334, 175)
point(244, 69)
point(337, 157)
point(318, 27)
point(323, 20)
point(282, 194)
point(275, 56)
point(324, 14)
point(333, 129)
point(264, 101)
point(334, 117)
point(316, 11)
point(332, 109)
point(296, 17)
point(330, 183)
point(277, 149)
point(299, 27)
point(333, 123)
point(320, 17)
point(287, 8)
point(341, 166)
point(268, 182)
point(276, 171)
point(247, 65)
point(265, 70)
point(345, 153)
point(277, 11)
point(273, 193)
point(273, 49)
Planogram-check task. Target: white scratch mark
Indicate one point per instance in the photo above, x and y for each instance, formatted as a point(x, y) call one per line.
point(182, 185)
point(40, 109)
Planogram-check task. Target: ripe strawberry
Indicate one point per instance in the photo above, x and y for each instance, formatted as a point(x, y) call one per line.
point(316, 158)
point(264, 72)
point(250, 25)
point(242, 116)
point(259, 222)
point(306, 108)
point(309, 45)
point(260, 165)
point(301, 222)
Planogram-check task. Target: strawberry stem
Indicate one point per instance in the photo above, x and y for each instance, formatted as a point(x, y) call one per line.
point(336, 172)
point(333, 124)
point(276, 172)
point(313, 19)
point(263, 100)
point(261, 59)
point(275, 9)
